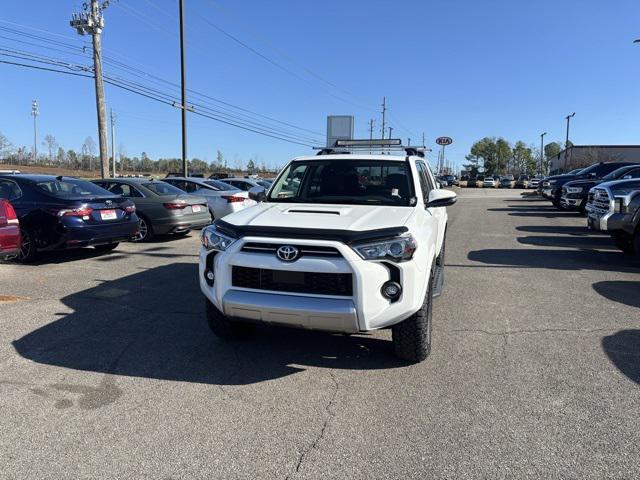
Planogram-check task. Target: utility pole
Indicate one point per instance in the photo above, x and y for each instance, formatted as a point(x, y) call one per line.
point(183, 106)
point(542, 152)
point(91, 22)
point(408, 141)
point(371, 122)
point(566, 143)
point(384, 112)
point(34, 113)
point(390, 130)
point(423, 140)
point(113, 142)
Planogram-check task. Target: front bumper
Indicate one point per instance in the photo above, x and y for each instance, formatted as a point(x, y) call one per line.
point(328, 314)
point(363, 310)
point(605, 221)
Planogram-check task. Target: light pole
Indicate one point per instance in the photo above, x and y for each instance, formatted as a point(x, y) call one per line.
point(34, 113)
point(183, 88)
point(566, 143)
point(542, 151)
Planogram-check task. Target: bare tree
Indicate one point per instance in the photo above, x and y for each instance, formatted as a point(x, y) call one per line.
point(4, 146)
point(89, 149)
point(51, 144)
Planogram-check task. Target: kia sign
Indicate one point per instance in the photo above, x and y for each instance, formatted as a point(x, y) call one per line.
point(444, 140)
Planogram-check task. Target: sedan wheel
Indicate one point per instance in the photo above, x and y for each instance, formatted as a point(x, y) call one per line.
point(28, 250)
point(145, 231)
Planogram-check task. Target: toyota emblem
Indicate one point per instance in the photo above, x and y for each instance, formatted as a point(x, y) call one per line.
point(287, 253)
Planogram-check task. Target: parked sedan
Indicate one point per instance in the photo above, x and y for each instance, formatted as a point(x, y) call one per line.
point(9, 228)
point(489, 182)
point(507, 182)
point(222, 198)
point(65, 212)
point(162, 208)
point(246, 184)
point(522, 182)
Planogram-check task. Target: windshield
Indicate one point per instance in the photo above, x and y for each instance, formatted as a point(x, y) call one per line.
point(353, 182)
point(576, 171)
point(72, 188)
point(618, 173)
point(162, 188)
point(264, 183)
point(220, 185)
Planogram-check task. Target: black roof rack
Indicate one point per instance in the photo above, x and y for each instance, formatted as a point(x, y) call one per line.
point(384, 144)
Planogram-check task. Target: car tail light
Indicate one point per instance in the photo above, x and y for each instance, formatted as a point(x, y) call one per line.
point(76, 212)
point(9, 217)
point(233, 198)
point(175, 206)
point(130, 208)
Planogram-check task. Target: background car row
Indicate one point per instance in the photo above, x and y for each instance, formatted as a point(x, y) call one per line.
point(45, 212)
point(608, 193)
point(498, 181)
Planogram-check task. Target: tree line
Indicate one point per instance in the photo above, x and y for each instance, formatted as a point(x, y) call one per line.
point(86, 158)
point(497, 156)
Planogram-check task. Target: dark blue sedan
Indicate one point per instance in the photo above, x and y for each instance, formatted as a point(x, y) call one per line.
point(65, 212)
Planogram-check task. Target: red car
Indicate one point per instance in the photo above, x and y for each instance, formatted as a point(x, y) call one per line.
point(9, 230)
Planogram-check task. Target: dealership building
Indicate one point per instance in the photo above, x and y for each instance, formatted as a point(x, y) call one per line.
point(578, 156)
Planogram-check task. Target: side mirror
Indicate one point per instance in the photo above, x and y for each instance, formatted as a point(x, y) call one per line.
point(259, 194)
point(441, 198)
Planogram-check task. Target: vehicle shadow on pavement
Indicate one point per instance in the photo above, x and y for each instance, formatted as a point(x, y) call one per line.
point(152, 324)
point(623, 349)
point(78, 254)
point(587, 242)
point(625, 292)
point(560, 230)
point(556, 259)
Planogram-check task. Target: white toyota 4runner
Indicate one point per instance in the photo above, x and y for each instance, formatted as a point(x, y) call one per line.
point(341, 242)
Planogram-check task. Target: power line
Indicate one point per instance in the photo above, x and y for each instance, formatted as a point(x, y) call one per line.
point(149, 77)
point(151, 97)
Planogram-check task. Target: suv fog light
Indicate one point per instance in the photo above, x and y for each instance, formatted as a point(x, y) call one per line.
point(391, 290)
point(209, 276)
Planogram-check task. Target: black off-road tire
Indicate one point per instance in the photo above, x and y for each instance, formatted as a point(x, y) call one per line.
point(222, 327)
point(28, 249)
point(107, 247)
point(624, 242)
point(412, 337)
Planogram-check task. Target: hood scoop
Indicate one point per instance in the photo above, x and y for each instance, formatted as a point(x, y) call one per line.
point(317, 209)
point(325, 212)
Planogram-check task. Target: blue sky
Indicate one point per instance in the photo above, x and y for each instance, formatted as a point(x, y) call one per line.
point(465, 69)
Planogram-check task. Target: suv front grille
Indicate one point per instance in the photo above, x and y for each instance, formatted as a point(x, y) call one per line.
point(599, 198)
point(288, 281)
point(305, 250)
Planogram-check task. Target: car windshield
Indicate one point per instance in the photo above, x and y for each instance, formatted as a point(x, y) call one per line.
point(71, 188)
point(264, 183)
point(618, 173)
point(352, 182)
point(220, 185)
point(162, 188)
point(577, 171)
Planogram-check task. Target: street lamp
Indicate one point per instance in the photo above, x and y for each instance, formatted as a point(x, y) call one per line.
point(542, 151)
point(566, 143)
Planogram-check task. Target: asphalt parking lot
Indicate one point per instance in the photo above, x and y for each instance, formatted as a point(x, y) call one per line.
point(108, 369)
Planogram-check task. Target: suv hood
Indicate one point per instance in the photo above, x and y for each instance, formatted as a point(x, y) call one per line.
point(321, 216)
point(583, 183)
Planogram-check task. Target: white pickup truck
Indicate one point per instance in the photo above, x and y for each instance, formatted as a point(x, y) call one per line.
point(341, 242)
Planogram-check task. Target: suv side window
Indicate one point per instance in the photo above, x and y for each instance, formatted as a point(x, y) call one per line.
point(425, 183)
point(9, 190)
point(606, 168)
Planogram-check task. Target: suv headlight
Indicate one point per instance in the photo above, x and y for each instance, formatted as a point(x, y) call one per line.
point(574, 189)
point(212, 239)
point(396, 249)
